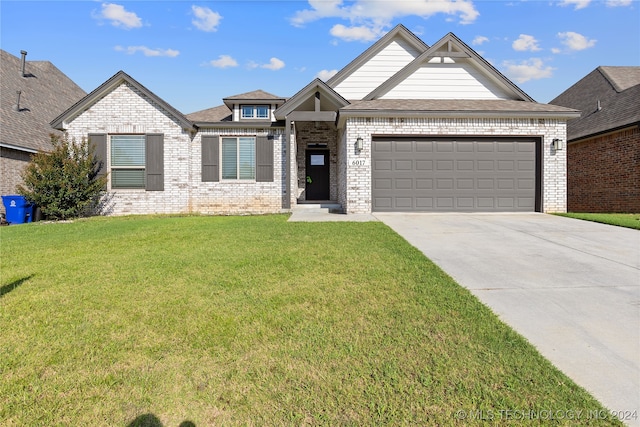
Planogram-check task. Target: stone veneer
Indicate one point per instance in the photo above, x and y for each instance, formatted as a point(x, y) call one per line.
point(355, 181)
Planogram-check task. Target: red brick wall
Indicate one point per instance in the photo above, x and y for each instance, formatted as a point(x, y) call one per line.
point(603, 173)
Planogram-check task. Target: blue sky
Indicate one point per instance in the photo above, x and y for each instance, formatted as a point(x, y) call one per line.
point(193, 54)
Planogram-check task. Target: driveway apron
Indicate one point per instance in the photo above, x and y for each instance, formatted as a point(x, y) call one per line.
point(571, 287)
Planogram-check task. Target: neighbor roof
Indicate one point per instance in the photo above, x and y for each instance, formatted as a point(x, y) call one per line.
point(608, 99)
point(45, 90)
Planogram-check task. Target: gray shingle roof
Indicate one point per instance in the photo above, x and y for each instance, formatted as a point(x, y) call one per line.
point(221, 113)
point(616, 89)
point(46, 92)
point(255, 95)
point(499, 106)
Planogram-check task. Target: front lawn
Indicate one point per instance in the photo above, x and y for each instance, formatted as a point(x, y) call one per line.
point(255, 321)
point(619, 219)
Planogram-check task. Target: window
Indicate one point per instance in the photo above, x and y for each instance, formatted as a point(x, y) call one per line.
point(127, 161)
point(255, 111)
point(239, 158)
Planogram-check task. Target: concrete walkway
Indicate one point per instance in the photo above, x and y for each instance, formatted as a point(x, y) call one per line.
point(571, 287)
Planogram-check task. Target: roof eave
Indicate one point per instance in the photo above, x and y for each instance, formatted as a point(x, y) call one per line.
point(344, 114)
point(237, 125)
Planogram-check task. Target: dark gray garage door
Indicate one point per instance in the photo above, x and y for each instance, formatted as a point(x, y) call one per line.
point(455, 174)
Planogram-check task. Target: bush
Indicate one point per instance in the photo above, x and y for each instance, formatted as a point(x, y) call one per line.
point(65, 182)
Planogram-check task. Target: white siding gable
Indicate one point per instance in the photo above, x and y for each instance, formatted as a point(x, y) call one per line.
point(377, 70)
point(448, 80)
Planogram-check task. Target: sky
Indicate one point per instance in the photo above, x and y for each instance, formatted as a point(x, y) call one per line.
point(194, 54)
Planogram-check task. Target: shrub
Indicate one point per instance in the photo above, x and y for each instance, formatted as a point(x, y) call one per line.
point(64, 183)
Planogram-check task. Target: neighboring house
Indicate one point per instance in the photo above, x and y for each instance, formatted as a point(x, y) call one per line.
point(603, 163)
point(33, 93)
point(403, 127)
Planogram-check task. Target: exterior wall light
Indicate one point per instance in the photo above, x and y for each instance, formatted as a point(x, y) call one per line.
point(557, 144)
point(359, 144)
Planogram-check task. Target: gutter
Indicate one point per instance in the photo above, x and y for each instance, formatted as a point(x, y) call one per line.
point(18, 148)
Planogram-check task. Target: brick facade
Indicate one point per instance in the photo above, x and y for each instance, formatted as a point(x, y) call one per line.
point(604, 173)
point(125, 110)
point(355, 177)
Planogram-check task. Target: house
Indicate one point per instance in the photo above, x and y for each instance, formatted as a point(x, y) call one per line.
point(403, 127)
point(33, 93)
point(603, 150)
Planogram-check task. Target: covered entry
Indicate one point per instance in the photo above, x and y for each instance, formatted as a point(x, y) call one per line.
point(462, 174)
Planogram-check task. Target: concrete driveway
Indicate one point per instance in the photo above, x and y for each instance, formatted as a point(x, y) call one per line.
point(571, 287)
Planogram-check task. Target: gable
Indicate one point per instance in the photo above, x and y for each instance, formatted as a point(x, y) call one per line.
point(457, 79)
point(377, 70)
point(117, 82)
point(377, 64)
point(448, 70)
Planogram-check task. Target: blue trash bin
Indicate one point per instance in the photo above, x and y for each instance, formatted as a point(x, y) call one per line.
point(18, 209)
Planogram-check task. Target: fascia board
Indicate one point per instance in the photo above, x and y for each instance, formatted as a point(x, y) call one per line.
point(239, 125)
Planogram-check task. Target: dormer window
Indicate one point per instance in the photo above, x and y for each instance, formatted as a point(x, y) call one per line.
point(255, 111)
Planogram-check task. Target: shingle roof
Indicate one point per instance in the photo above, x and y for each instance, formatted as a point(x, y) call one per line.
point(221, 113)
point(256, 94)
point(500, 106)
point(46, 91)
point(615, 90)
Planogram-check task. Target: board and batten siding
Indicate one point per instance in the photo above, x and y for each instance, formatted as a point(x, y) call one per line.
point(377, 70)
point(446, 81)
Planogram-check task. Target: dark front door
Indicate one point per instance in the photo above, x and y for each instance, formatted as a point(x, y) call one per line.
point(317, 168)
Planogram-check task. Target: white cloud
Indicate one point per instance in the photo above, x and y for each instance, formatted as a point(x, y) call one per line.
point(224, 61)
point(376, 16)
point(130, 50)
point(576, 41)
point(479, 40)
point(578, 4)
point(618, 3)
point(532, 69)
point(325, 75)
point(354, 33)
point(526, 43)
point(205, 19)
point(274, 64)
point(119, 17)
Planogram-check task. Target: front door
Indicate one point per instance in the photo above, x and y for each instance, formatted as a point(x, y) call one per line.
point(317, 179)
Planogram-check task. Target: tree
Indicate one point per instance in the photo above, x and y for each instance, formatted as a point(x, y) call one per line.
point(65, 182)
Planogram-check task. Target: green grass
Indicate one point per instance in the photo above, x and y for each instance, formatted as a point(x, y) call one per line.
point(253, 321)
point(619, 219)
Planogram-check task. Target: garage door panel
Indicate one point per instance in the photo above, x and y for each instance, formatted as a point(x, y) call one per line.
point(447, 174)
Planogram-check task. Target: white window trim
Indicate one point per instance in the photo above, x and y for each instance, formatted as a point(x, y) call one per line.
point(221, 160)
point(111, 167)
point(254, 115)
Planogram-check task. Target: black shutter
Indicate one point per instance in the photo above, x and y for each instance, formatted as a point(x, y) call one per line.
point(264, 159)
point(154, 150)
point(210, 158)
point(99, 143)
